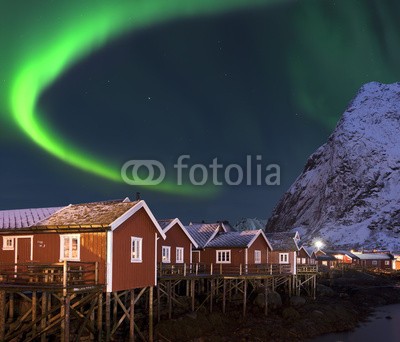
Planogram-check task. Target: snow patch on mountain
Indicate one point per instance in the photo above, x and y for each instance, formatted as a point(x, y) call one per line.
point(250, 224)
point(349, 192)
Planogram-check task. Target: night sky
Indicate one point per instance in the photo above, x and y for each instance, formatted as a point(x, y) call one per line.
point(85, 87)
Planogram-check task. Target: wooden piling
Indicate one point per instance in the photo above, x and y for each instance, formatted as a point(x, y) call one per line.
point(34, 313)
point(100, 317)
point(265, 297)
point(67, 317)
point(192, 292)
point(2, 315)
point(43, 321)
point(244, 297)
point(108, 316)
point(224, 297)
point(151, 335)
point(132, 317)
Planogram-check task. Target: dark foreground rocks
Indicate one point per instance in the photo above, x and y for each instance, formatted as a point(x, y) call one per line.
point(341, 304)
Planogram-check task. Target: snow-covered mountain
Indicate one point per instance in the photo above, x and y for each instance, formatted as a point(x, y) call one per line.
point(250, 224)
point(349, 192)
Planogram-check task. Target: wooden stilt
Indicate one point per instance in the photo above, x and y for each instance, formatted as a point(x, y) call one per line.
point(265, 298)
point(34, 314)
point(100, 317)
point(115, 310)
point(224, 297)
point(132, 317)
point(67, 317)
point(11, 307)
point(2, 315)
point(43, 322)
point(244, 297)
point(151, 337)
point(211, 295)
point(192, 290)
point(108, 316)
point(169, 300)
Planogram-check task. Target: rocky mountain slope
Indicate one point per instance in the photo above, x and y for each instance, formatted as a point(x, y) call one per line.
point(250, 224)
point(349, 192)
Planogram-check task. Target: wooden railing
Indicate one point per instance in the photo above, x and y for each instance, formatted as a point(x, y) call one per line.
point(197, 269)
point(307, 268)
point(63, 274)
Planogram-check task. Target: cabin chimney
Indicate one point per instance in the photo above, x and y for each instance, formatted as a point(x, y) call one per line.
point(138, 196)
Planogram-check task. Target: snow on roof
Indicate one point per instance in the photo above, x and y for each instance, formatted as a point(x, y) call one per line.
point(233, 239)
point(373, 256)
point(282, 241)
point(202, 232)
point(164, 223)
point(87, 214)
point(24, 218)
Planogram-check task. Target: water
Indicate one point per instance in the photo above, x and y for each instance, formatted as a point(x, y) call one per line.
point(378, 328)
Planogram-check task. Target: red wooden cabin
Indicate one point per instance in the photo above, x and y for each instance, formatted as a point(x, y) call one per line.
point(285, 248)
point(232, 250)
point(178, 244)
point(121, 236)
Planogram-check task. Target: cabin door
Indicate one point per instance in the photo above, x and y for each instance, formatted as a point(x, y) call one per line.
point(23, 249)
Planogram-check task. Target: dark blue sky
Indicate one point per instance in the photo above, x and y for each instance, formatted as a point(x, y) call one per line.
point(269, 82)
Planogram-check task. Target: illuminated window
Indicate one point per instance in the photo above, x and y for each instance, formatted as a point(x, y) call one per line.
point(70, 247)
point(325, 263)
point(179, 255)
point(166, 254)
point(257, 257)
point(223, 256)
point(136, 249)
point(387, 262)
point(283, 258)
point(303, 260)
point(8, 243)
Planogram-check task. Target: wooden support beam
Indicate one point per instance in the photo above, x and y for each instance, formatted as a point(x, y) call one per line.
point(244, 297)
point(108, 316)
point(192, 285)
point(132, 317)
point(34, 313)
point(67, 318)
point(224, 296)
point(265, 297)
point(11, 307)
point(100, 317)
point(115, 311)
point(211, 294)
point(2, 315)
point(158, 302)
point(169, 299)
point(43, 322)
point(151, 334)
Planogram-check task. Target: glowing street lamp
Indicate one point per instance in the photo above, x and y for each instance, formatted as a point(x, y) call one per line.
point(318, 244)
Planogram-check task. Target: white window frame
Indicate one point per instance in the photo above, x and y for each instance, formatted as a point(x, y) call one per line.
point(7, 239)
point(167, 255)
point(180, 252)
point(283, 258)
point(387, 262)
point(136, 243)
point(303, 261)
point(219, 256)
point(62, 249)
point(257, 256)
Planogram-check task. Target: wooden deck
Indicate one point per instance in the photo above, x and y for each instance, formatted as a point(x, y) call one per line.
point(68, 275)
point(218, 270)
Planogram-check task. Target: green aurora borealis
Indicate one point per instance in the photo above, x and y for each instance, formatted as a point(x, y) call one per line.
point(226, 78)
point(62, 42)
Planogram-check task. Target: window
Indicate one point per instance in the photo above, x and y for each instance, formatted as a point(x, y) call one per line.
point(8, 243)
point(303, 260)
point(257, 257)
point(298, 260)
point(179, 255)
point(325, 263)
point(283, 258)
point(136, 249)
point(166, 254)
point(374, 262)
point(223, 256)
point(70, 246)
point(387, 262)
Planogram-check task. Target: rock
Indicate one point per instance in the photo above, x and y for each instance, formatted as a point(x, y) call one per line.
point(274, 300)
point(290, 314)
point(324, 291)
point(348, 190)
point(297, 301)
point(260, 300)
point(317, 313)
